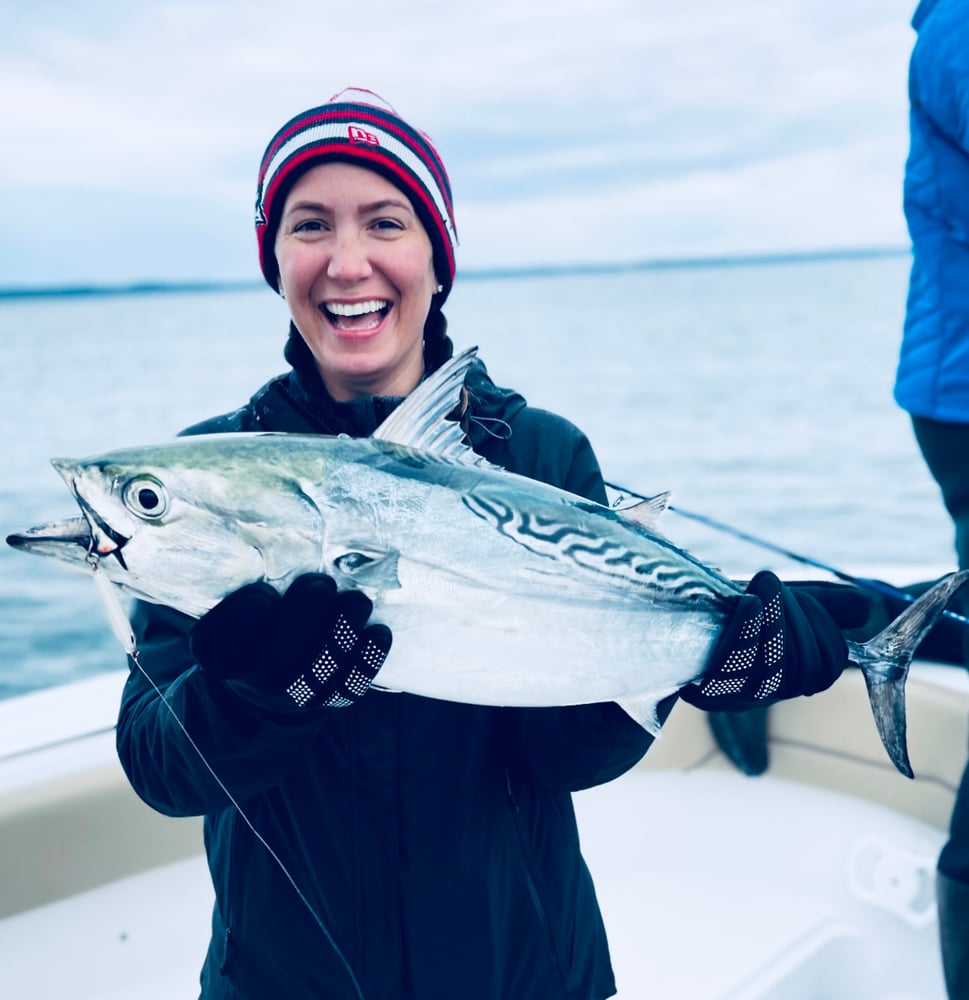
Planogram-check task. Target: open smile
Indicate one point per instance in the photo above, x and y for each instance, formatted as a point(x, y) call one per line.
point(357, 316)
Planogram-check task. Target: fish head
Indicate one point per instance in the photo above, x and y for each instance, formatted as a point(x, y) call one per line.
point(180, 525)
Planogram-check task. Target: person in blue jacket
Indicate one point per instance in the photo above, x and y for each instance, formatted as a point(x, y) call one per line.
point(932, 382)
point(371, 844)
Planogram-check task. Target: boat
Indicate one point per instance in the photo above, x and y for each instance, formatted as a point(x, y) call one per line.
point(812, 880)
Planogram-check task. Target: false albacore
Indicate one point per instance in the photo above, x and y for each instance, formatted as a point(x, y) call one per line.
point(500, 590)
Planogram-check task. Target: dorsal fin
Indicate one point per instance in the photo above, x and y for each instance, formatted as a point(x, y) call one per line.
point(421, 420)
point(647, 512)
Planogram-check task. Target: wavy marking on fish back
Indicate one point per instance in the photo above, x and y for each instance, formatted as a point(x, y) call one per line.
point(654, 572)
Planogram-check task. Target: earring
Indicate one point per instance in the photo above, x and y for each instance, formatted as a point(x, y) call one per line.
point(440, 288)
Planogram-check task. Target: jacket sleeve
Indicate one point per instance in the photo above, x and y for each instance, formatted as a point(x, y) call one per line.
point(184, 738)
point(583, 745)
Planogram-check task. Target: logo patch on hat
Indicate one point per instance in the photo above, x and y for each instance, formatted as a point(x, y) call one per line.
point(358, 134)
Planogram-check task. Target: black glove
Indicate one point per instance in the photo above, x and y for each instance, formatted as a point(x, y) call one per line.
point(311, 644)
point(781, 641)
point(850, 606)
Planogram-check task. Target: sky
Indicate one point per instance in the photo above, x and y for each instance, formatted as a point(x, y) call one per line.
point(574, 132)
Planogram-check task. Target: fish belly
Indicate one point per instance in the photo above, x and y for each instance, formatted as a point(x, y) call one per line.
point(539, 655)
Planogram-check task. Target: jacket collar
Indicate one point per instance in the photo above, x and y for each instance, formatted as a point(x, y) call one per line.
point(489, 407)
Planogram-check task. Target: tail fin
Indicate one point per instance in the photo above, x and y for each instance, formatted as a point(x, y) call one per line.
point(884, 661)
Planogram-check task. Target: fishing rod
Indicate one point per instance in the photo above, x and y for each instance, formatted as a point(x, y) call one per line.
point(868, 583)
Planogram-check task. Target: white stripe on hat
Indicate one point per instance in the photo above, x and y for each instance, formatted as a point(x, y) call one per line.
point(383, 140)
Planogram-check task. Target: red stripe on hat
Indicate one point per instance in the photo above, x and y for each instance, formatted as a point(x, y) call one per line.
point(417, 142)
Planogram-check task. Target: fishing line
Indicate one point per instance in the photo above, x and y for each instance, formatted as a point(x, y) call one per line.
point(121, 627)
point(864, 582)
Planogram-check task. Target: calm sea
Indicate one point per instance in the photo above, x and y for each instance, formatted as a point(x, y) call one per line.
point(759, 395)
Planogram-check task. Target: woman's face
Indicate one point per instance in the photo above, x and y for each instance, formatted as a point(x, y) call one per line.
point(356, 268)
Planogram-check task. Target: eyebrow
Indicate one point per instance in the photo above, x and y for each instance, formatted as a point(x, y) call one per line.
point(374, 206)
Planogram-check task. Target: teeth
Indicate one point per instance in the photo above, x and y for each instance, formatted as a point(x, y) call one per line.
point(356, 308)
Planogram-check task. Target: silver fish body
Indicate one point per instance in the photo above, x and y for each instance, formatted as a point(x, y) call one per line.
point(498, 589)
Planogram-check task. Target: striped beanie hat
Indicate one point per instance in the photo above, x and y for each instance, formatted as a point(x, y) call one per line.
point(356, 126)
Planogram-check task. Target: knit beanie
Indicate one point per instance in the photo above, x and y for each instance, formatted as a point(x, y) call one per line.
point(356, 126)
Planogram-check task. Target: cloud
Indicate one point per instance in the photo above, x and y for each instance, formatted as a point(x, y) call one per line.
point(829, 198)
point(134, 130)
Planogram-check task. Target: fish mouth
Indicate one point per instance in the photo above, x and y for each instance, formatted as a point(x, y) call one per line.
point(102, 538)
point(76, 540)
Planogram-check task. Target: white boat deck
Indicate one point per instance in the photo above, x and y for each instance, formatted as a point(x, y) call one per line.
point(714, 886)
point(719, 887)
point(140, 938)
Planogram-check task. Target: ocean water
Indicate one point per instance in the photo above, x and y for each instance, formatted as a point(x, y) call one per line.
point(759, 395)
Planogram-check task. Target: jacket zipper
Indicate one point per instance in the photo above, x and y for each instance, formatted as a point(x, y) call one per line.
point(230, 875)
point(530, 880)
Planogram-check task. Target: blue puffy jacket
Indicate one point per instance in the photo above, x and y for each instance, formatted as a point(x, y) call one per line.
point(933, 371)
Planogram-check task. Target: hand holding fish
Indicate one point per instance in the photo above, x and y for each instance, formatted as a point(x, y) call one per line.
point(781, 642)
point(310, 647)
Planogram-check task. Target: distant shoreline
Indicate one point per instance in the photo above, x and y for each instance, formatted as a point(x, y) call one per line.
point(477, 274)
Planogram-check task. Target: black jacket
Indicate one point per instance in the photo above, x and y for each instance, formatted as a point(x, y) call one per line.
point(435, 841)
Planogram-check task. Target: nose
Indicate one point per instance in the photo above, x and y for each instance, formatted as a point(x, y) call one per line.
point(348, 260)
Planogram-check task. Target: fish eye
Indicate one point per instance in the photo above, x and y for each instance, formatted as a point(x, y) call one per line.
point(145, 497)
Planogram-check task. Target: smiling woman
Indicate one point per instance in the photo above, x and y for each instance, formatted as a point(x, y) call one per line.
point(431, 843)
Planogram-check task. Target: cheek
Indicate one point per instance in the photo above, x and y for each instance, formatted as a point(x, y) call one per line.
point(420, 276)
point(412, 264)
point(296, 269)
point(283, 264)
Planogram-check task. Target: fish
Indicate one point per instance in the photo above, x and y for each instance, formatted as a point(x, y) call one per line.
point(499, 589)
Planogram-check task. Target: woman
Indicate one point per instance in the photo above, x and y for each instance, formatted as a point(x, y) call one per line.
point(387, 845)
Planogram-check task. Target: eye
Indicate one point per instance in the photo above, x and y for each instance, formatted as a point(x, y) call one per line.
point(310, 227)
point(145, 497)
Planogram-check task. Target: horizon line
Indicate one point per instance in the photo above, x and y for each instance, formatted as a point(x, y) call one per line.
point(479, 274)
